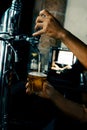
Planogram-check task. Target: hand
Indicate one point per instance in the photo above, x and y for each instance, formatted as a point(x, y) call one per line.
point(47, 24)
point(28, 86)
point(56, 67)
point(48, 91)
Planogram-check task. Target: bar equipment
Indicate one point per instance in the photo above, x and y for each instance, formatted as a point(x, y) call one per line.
point(9, 27)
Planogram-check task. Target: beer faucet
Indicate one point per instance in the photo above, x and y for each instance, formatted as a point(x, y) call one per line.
point(11, 18)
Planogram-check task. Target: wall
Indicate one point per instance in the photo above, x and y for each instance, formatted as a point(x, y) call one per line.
point(76, 18)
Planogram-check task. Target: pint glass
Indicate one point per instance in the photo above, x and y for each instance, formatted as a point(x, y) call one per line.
point(36, 80)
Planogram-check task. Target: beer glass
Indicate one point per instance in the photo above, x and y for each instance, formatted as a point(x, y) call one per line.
point(36, 80)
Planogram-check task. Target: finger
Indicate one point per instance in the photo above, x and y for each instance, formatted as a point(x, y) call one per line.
point(39, 19)
point(46, 85)
point(28, 91)
point(27, 84)
point(44, 13)
point(39, 94)
point(29, 88)
point(39, 26)
point(38, 33)
point(27, 79)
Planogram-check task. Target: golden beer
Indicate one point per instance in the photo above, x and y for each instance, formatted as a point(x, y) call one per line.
point(36, 80)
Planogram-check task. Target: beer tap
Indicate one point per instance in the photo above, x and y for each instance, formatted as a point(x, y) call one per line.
point(11, 18)
point(9, 27)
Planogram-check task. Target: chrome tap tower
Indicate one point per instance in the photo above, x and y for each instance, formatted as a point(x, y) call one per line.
point(9, 26)
point(10, 20)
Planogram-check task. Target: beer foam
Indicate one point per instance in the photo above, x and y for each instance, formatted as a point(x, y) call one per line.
point(38, 74)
